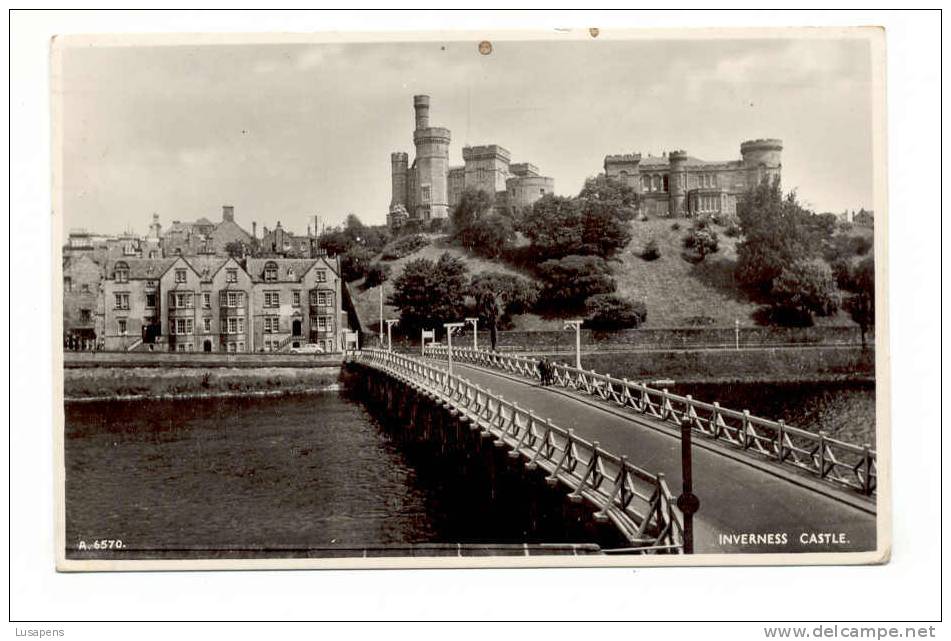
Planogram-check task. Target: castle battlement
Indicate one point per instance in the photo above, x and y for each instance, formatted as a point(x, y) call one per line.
point(762, 144)
point(485, 152)
point(622, 158)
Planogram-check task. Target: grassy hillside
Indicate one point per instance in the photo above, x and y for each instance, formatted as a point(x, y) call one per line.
point(673, 289)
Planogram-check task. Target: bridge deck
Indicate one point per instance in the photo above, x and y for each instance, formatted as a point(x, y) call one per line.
point(737, 496)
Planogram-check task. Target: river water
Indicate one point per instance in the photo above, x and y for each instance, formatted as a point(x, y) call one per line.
point(311, 475)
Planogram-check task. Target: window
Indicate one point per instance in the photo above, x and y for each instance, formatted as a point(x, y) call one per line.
point(122, 273)
point(122, 301)
point(646, 183)
point(295, 298)
point(271, 324)
point(290, 274)
point(232, 347)
point(122, 326)
point(150, 300)
point(183, 300)
point(232, 299)
point(85, 316)
point(270, 272)
point(322, 299)
point(184, 326)
point(84, 288)
point(272, 299)
point(321, 275)
point(426, 192)
point(325, 323)
point(206, 300)
point(151, 284)
point(240, 346)
point(666, 183)
point(181, 276)
point(181, 347)
point(232, 325)
point(206, 325)
point(231, 275)
point(67, 284)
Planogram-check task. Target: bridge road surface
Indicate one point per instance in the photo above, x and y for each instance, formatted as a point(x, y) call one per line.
point(736, 497)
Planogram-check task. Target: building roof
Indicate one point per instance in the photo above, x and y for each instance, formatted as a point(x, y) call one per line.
point(141, 268)
point(289, 270)
point(206, 266)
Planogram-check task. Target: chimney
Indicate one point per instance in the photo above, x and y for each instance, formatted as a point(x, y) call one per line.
point(308, 231)
point(254, 229)
point(227, 213)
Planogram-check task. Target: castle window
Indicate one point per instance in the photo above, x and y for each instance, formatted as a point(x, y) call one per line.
point(270, 272)
point(425, 193)
point(67, 284)
point(646, 183)
point(656, 185)
point(666, 183)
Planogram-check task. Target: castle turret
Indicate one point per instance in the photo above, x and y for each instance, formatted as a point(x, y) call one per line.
point(431, 166)
point(677, 182)
point(624, 168)
point(400, 164)
point(421, 105)
point(762, 158)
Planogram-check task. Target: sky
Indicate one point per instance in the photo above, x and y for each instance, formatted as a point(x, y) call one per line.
point(285, 132)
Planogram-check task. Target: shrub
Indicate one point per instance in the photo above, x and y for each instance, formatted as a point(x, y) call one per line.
point(732, 230)
point(610, 311)
point(651, 251)
point(675, 227)
point(702, 240)
point(377, 274)
point(404, 246)
point(699, 321)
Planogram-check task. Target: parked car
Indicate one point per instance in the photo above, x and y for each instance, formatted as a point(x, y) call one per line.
point(307, 348)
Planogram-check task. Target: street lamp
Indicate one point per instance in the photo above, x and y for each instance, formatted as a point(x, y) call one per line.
point(475, 333)
point(389, 333)
point(450, 328)
point(577, 325)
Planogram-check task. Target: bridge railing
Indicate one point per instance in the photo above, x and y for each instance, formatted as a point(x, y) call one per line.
point(828, 458)
point(639, 503)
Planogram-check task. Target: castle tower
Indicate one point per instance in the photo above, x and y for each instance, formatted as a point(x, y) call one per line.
point(762, 159)
point(431, 166)
point(677, 182)
point(400, 164)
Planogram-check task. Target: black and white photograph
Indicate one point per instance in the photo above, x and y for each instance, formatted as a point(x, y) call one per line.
point(600, 298)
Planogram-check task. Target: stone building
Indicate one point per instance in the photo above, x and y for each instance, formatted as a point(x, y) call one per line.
point(201, 237)
point(429, 188)
point(82, 317)
point(676, 184)
point(215, 304)
point(295, 301)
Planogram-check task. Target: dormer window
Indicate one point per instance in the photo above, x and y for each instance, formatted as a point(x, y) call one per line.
point(122, 273)
point(290, 273)
point(270, 272)
point(181, 275)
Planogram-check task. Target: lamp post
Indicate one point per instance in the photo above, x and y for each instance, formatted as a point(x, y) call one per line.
point(577, 325)
point(390, 322)
point(736, 332)
point(475, 333)
point(450, 328)
point(382, 287)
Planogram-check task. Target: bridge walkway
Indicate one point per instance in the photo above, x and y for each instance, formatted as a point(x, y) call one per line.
point(737, 495)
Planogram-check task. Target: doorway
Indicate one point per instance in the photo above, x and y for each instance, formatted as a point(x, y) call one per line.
point(296, 328)
point(207, 345)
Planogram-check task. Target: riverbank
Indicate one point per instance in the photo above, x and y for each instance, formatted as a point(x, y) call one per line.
point(165, 382)
point(755, 365)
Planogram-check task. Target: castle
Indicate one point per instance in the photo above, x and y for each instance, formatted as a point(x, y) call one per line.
point(676, 184)
point(428, 189)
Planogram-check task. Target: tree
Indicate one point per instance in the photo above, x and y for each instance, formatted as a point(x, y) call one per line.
point(572, 279)
point(429, 293)
point(473, 205)
point(777, 232)
point(807, 287)
point(612, 191)
point(498, 296)
point(605, 227)
point(610, 312)
point(553, 225)
point(236, 249)
point(355, 261)
point(861, 304)
point(377, 273)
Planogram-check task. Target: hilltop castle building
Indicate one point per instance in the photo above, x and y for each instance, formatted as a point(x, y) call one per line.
point(429, 188)
point(676, 184)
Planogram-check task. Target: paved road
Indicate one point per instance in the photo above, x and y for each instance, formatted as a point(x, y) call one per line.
point(736, 498)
